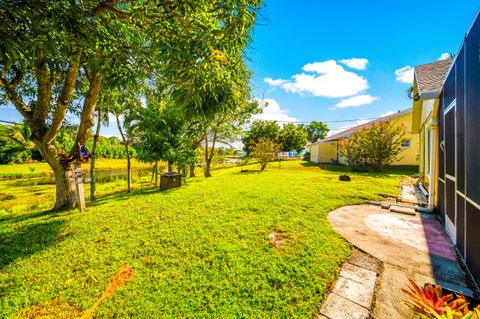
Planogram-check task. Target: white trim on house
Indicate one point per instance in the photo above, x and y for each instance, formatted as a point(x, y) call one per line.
point(450, 177)
point(452, 105)
point(461, 194)
point(472, 202)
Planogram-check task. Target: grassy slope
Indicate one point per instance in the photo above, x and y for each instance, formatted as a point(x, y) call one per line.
point(200, 251)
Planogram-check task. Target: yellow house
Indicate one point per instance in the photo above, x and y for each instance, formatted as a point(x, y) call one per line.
point(427, 88)
point(327, 150)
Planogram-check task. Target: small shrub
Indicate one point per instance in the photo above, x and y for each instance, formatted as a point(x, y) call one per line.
point(265, 151)
point(374, 147)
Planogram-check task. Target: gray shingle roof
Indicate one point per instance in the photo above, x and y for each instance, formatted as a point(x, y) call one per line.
point(347, 133)
point(430, 77)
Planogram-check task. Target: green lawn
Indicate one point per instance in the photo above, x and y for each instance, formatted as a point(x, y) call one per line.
point(200, 251)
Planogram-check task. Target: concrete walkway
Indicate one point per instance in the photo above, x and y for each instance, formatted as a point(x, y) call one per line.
point(409, 246)
point(352, 295)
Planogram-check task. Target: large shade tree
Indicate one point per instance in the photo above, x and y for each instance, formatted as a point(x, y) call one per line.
point(56, 55)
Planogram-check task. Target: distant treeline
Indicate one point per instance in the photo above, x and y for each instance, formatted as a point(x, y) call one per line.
point(15, 146)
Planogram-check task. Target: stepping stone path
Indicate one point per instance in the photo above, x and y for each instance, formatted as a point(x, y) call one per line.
point(352, 294)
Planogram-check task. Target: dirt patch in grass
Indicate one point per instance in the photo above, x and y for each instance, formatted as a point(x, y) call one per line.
point(277, 238)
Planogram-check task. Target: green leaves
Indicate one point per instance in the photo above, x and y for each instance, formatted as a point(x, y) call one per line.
point(374, 146)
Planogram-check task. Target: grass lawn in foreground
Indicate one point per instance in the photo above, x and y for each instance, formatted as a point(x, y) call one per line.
point(200, 251)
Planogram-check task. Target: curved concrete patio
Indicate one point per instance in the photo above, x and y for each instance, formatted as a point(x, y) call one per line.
point(409, 246)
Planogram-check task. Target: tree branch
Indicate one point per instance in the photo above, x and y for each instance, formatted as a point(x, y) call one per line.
point(13, 96)
point(64, 98)
point(86, 117)
point(18, 76)
point(44, 96)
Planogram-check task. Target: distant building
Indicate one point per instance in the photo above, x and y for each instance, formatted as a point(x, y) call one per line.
point(328, 149)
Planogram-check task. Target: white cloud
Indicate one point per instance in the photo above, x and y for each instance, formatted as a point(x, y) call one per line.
point(273, 112)
point(405, 74)
point(444, 56)
point(355, 63)
point(273, 82)
point(324, 79)
point(357, 101)
point(326, 67)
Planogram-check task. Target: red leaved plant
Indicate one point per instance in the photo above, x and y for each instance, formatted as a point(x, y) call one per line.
point(429, 302)
point(123, 275)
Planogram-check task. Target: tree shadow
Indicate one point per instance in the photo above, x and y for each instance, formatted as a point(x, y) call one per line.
point(24, 217)
point(249, 172)
point(25, 241)
point(389, 170)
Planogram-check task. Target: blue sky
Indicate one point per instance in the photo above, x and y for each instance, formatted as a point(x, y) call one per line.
point(391, 35)
point(299, 46)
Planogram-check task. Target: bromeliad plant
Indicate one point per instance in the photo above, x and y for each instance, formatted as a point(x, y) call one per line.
point(430, 303)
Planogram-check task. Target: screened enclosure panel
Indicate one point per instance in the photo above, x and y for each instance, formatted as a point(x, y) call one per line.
point(472, 112)
point(461, 225)
point(450, 199)
point(473, 240)
point(450, 143)
point(441, 201)
point(460, 118)
point(449, 89)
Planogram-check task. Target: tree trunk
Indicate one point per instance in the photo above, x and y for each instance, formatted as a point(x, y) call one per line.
point(169, 167)
point(208, 157)
point(208, 172)
point(66, 188)
point(156, 173)
point(93, 187)
point(192, 170)
point(125, 142)
point(129, 170)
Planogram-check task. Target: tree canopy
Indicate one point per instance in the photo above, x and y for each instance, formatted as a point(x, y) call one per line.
point(56, 56)
point(316, 131)
point(293, 138)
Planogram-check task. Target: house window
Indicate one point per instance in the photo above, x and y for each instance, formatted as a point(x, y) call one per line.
point(406, 143)
point(428, 151)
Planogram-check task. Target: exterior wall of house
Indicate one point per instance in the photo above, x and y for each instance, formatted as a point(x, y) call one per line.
point(409, 154)
point(428, 119)
point(323, 152)
point(459, 147)
point(327, 152)
point(314, 153)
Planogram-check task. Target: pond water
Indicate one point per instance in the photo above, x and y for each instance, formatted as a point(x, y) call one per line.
point(101, 176)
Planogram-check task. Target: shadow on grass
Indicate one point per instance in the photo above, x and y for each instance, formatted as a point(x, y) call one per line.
point(25, 241)
point(42, 213)
point(124, 195)
point(249, 171)
point(396, 169)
